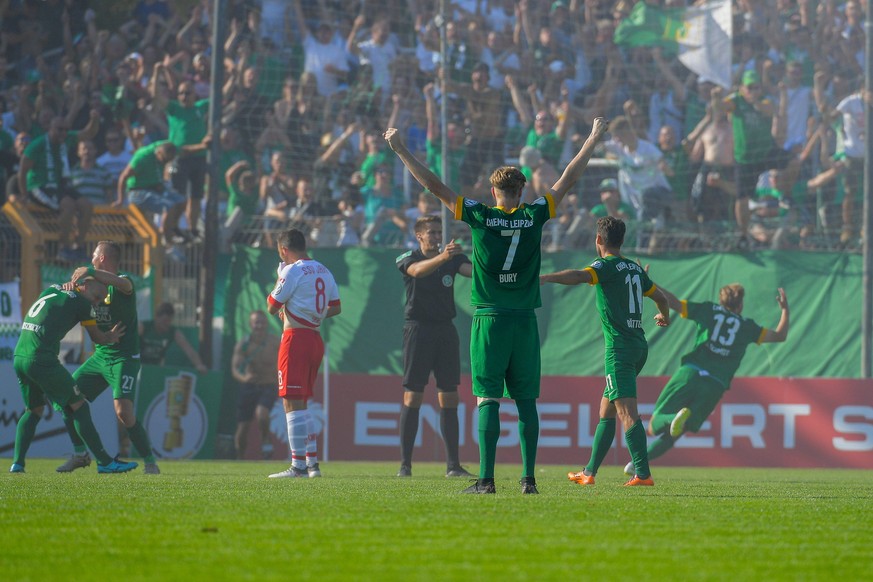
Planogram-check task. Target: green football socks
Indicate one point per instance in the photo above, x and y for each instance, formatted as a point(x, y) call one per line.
point(24, 435)
point(528, 434)
point(78, 446)
point(86, 429)
point(604, 434)
point(661, 445)
point(489, 432)
point(140, 439)
point(635, 438)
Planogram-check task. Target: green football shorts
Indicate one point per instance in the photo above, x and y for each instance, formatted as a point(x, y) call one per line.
point(41, 378)
point(622, 368)
point(688, 387)
point(505, 354)
point(98, 372)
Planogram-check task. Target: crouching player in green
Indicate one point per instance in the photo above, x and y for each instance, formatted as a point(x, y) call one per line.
point(41, 375)
point(706, 372)
point(504, 340)
point(621, 285)
point(115, 365)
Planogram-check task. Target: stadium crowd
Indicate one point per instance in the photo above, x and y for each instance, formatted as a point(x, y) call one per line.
point(95, 116)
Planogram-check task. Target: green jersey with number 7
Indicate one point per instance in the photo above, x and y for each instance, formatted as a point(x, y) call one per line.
point(506, 251)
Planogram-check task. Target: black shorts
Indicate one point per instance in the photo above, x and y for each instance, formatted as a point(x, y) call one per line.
point(188, 176)
point(253, 395)
point(431, 347)
point(747, 174)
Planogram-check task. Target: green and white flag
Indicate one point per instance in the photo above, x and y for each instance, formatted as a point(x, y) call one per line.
point(700, 35)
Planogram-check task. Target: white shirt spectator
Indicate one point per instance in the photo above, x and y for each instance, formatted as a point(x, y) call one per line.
point(318, 56)
point(638, 170)
point(852, 108)
point(663, 111)
point(380, 58)
point(799, 109)
point(115, 163)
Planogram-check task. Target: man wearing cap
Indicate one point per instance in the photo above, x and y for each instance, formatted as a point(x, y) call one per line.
point(611, 203)
point(755, 150)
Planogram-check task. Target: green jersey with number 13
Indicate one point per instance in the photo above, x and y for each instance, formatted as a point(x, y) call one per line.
point(722, 339)
point(506, 251)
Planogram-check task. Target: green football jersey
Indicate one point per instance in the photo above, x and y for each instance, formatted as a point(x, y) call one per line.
point(119, 308)
point(506, 252)
point(753, 140)
point(722, 338)
point(52, 315)
point(621, 285)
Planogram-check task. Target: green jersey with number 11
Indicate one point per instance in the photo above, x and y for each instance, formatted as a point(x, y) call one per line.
point(49, 319)
point(506, 251)
point(621, 286)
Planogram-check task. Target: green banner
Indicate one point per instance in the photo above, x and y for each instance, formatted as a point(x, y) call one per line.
point(179, 409)
point(824, 293)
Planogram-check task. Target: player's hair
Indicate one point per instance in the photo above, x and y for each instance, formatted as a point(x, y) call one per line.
point(508, 180)
point(423, 221)
point(293, 240)
point(611, 231)
point(168, 147)
point(111, 249)
point(731, 296)
point(165, 308)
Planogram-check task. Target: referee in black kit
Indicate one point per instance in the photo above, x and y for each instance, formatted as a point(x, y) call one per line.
point(430, 340)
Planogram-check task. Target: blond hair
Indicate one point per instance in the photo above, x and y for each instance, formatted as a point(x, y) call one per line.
point(731, 296)
point(509, 180)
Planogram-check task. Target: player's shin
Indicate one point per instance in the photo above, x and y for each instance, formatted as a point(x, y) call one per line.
point(78, 444)
point(24, 433)
point(635, 438)
point(450, 431)
point(297, 431)
point(86, 429)
point(408, 431)
point(528, 432)
point(660, 446)
point(140, 439)
point(489, 433)
point(604, 434)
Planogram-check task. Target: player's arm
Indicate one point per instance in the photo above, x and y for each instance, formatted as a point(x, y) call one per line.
point(568, 277)
point(577, 165)
point(780, 334)
point(103, 337)
point(123, 284)
point(466, 270)
point(333, 310)
point(424, 268)
point(189, 350)
point(674, 302)
point(419, 171)
point(662, 318)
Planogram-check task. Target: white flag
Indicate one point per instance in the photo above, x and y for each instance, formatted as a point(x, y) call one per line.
point(705, 41)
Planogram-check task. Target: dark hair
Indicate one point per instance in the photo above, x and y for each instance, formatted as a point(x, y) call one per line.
point(165, 308)
point(611, 231)
point(423, 221)
point(293, 240)
point(111, 249)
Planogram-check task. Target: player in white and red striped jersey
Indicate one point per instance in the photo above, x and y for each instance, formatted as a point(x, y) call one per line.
point(305, 295)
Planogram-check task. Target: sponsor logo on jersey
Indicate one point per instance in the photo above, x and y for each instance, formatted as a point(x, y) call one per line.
point(468, 203)
point(509, 223)
point(101, 314)
point(597, 264)
point(279, 285)
point(448, 280)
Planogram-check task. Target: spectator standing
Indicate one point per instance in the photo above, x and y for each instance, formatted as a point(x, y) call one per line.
point(254, 359)
point(44, 173)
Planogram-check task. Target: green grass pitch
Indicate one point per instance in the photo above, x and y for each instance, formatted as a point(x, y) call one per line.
point(216, 520)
